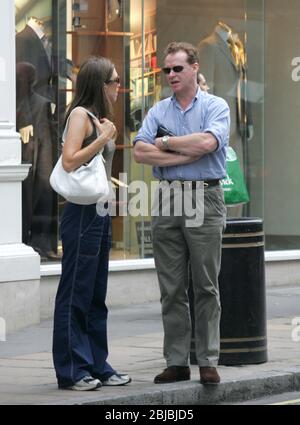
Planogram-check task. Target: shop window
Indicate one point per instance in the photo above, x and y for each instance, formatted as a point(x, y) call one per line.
point(36, 116)
point(133, 34)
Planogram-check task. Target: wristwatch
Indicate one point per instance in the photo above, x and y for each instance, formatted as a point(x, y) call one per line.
point(165, 142)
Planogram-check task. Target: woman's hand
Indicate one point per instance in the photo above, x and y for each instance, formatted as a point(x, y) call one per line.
point(106, 128)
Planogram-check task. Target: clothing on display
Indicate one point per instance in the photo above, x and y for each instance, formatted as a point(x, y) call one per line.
point(35, 124)
point(33, 46)
point(223, 62)
point(33, 121)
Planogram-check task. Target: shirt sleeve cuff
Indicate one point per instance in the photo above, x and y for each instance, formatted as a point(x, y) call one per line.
point(144, 140)
point(219, 147)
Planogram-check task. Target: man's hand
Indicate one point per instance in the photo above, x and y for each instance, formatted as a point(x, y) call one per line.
point(159, 143)
point(26, 133)
point(150, 154)
point(194, 145)
point(163, 146)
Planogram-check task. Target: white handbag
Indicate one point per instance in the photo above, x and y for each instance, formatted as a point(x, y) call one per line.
point(86, 185)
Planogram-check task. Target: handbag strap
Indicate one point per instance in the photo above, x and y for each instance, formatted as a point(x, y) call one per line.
point(64, 135)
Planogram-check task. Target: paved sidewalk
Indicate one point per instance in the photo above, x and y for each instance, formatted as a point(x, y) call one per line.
point(27, 375)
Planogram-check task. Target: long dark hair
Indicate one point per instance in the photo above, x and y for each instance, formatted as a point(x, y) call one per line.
point(90, 93)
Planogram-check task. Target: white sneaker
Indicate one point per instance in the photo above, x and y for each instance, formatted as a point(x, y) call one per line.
point(86, 384)
point(117, 379)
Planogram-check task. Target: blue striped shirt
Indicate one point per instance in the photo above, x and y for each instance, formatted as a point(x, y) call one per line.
point(206, 114)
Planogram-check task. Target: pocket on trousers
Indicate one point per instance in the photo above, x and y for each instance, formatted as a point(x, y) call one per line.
point(215, 210)
point(215, 201)
point(88, 219)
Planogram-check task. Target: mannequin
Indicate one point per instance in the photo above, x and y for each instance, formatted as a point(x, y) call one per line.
point(34, 124)
point(37, 26)
point(33, 46)
point(223, 63)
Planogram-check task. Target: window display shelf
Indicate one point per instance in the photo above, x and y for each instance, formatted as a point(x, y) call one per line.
point(100, 33)
point(146, 95)
point(147, 74)
point(153, 31)
point(147, 53)
point(144, 77)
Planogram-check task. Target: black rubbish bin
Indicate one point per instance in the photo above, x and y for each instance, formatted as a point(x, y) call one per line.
point(243, 327)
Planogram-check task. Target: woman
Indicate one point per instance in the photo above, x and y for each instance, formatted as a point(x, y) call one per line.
point(80, 317)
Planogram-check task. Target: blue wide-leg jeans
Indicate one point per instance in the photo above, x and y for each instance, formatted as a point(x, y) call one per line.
point(80, 316)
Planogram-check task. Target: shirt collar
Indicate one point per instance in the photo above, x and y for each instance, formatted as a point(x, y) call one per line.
point(197, 95)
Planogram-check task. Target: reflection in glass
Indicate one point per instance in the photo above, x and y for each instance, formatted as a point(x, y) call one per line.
point(34, 121)
point(134, 34)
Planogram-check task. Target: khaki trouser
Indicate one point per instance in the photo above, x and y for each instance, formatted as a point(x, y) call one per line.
point(174, 246)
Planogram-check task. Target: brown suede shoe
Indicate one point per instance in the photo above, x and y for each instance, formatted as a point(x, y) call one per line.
point(209, 375)
point(173, 374)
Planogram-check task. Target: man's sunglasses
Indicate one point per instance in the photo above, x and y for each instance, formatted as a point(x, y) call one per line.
point(114, 81)
point(178, 68)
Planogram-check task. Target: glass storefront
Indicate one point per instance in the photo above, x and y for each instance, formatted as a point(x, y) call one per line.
point(37, 114)
point(243, 58)
point(282, 124)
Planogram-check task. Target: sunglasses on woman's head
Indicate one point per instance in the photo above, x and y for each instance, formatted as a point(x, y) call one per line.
point(177, 69)
point(114, 81)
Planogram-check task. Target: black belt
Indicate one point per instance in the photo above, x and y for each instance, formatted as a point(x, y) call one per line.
point(207, 183)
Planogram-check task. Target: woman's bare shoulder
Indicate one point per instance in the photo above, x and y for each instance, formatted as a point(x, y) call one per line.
point(79, 111)
point(79, 116)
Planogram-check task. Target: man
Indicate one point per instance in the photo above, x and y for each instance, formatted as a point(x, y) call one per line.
point(202, 82)
point(197, 154)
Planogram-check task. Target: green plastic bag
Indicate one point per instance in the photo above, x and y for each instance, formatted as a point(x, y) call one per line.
point(235, 190)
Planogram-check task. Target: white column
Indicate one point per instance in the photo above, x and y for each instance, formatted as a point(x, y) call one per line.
point(19, 264)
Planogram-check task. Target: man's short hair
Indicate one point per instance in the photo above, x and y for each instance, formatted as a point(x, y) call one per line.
point(189, 49)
